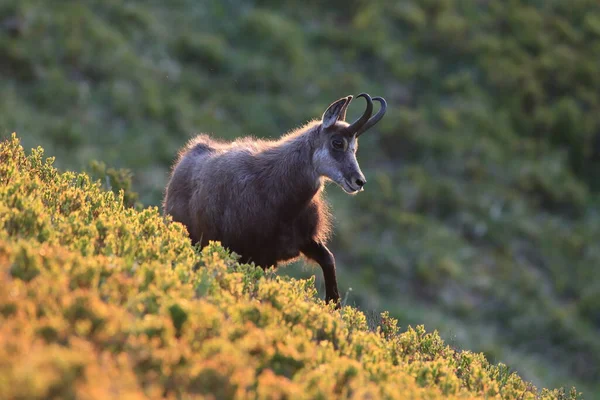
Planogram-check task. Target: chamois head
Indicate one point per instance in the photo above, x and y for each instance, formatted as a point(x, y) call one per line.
point(335, 154)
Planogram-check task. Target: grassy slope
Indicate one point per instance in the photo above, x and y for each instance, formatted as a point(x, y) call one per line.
point(481, 215)
point(102, 301)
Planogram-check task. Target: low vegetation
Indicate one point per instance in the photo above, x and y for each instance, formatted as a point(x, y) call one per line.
point(481, 215)
point(103, 301)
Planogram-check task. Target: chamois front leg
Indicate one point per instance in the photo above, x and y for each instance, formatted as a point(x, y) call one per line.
point(321, 254)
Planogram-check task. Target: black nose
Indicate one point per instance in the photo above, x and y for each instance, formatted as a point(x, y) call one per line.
point(360, 182)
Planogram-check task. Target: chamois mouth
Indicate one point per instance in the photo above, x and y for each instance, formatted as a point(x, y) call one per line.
point(350, 188)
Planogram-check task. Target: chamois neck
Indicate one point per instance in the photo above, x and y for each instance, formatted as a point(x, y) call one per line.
point(288, 172)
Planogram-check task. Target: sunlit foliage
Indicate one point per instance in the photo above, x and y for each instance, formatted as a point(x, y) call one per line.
point(481, 217)
point(102, 301)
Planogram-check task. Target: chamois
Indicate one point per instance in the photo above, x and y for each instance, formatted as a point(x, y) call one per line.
point(262, 198)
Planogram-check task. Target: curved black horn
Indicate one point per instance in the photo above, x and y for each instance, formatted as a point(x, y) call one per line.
point(357, 125)
point(376, 118)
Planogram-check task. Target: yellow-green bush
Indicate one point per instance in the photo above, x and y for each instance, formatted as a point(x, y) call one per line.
point(481, 216)
point(103, 301)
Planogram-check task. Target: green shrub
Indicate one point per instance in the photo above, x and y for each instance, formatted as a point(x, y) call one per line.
point(102, 300)
point(488, 157)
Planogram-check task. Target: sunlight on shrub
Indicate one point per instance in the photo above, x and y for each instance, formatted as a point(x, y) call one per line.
point(100, 300)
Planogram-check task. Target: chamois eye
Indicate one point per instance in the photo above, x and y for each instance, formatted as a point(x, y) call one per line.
point(338, 144)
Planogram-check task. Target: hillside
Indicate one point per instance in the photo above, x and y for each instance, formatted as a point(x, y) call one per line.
point(102, 301)
point(481, 216)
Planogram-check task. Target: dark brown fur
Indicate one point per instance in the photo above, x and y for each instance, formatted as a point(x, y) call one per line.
point(263, 198)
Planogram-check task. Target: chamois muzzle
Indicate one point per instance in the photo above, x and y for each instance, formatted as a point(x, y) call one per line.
point(372, 121)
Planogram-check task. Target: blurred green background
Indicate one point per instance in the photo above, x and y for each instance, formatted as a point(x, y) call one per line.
point(481, 215)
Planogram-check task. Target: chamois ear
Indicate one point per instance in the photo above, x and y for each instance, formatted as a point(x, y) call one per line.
point(335, 112)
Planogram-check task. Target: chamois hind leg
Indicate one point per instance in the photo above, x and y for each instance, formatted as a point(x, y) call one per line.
point(321, 254)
